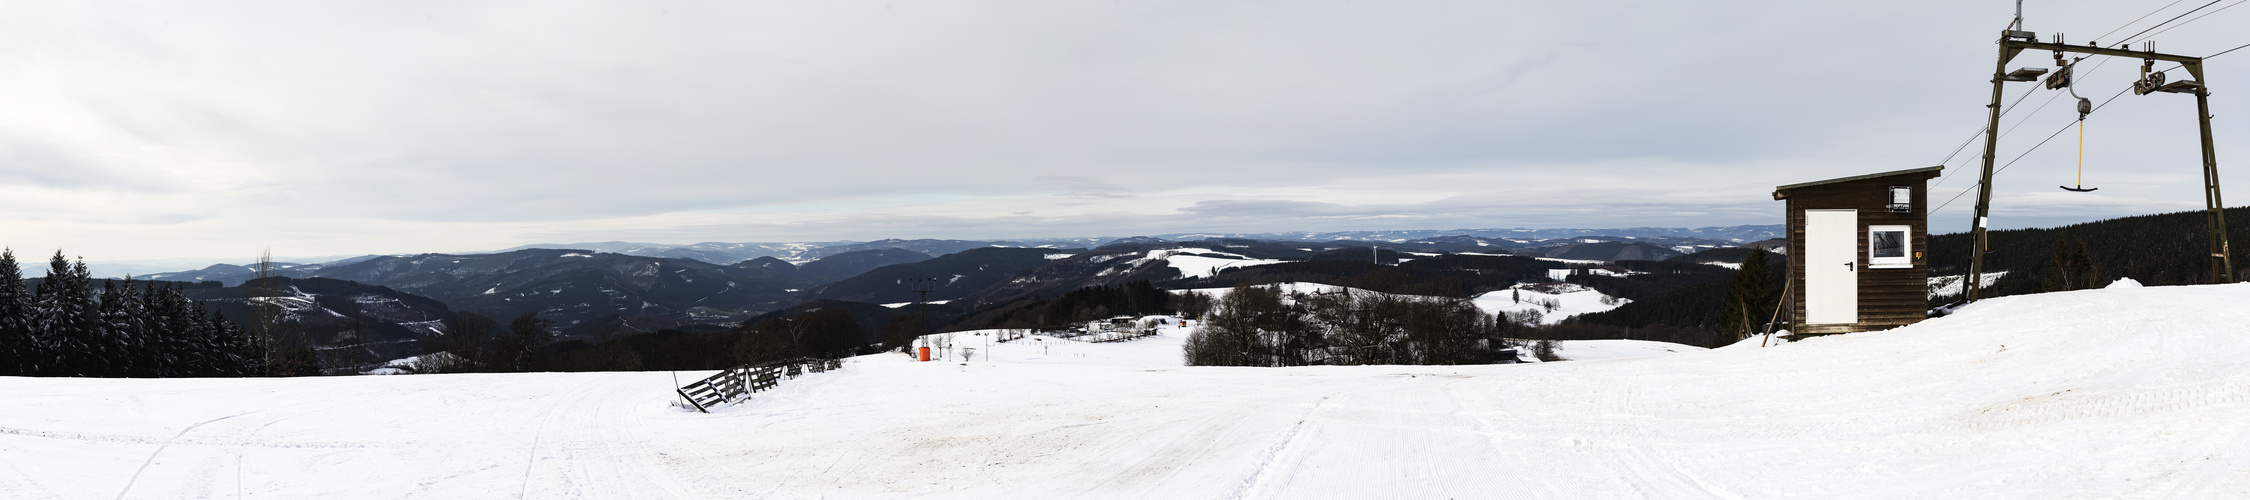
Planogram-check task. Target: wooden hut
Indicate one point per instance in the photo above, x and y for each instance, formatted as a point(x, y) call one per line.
point(1856, 247)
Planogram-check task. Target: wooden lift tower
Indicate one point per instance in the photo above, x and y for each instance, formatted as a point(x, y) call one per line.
point(2013, 42)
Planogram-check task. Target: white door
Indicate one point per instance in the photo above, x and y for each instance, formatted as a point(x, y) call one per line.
point(1831, 267)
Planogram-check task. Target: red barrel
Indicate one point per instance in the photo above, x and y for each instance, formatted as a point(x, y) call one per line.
point(925, 354)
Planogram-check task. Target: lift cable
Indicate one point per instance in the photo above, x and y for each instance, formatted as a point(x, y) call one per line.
point(1980, 130)
point(2226, 51)
point(2167, 21)
point(2097, 65)
point(2035, 147)
point(2105, 102)
point(2137, 19)
point(2011, 128)
point(2207, 14)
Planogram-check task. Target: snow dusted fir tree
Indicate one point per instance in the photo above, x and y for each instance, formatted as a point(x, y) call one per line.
point(17, 346)
point(125, 328)
point(1749, 302)
point(68, 328)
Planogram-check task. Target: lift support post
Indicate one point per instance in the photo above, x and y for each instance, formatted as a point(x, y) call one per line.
point(2014, 43)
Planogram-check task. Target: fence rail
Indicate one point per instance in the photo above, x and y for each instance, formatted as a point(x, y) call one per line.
point(734, 385)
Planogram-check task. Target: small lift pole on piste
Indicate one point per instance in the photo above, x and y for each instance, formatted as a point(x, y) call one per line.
point(2015, 41)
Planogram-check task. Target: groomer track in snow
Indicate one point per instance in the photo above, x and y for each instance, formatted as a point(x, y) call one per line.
point(2089, 394)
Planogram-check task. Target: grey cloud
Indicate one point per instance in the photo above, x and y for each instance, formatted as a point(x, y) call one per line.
point(1075, 186)
point(473, 112)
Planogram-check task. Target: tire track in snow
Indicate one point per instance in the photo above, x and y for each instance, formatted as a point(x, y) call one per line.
point(1494, 423)
point(2069, 405)
point(160, 450)
point(1640, 452)
point(1174, 456)
point(15, 482)
point(1259, 483)
point(607, 463)
point(179, 441)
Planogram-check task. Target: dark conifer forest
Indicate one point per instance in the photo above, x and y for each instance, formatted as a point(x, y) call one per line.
point(71, 325)
point(2160, 249)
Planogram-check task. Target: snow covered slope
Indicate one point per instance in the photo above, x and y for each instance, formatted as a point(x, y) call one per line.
point(1569, 300)
point(2127, 392)
point(1202, 263)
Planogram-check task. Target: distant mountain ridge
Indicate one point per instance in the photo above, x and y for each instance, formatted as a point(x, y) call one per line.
point(1738, 234)
point(801, 252)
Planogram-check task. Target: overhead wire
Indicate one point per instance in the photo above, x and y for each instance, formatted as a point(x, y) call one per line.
point(2011, 128)
point(1980, 130)
point(2176, 26)
point(2138, 19)
point(2035, 147)
point(2066, 127)
point(2228, 50)
point(2129, 39)
point(2027, 92)
point(2043, 105)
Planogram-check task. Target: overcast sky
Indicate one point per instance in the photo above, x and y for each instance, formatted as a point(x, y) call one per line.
point(146, 130)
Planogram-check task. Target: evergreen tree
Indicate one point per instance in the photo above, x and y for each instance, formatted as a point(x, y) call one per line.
point(1749, 301)
point(214, 354)
point(68, 322)
point(18, 347)
point(173, 331)
point(124, 330)
point(236, 353)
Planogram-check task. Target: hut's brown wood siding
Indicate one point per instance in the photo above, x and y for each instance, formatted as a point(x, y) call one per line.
point(1888, 298)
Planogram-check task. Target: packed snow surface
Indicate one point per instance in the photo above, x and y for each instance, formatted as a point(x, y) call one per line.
point(2108, 393)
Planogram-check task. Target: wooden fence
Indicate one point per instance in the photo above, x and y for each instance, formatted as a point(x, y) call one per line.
point(734, 385)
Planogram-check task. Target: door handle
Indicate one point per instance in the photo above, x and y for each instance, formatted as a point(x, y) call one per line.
point(1850, 266)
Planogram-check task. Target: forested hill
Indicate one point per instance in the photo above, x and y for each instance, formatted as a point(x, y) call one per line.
point(2160, 249)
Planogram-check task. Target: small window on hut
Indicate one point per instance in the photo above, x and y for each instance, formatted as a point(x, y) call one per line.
point(1888, 248)
point(1902, 199)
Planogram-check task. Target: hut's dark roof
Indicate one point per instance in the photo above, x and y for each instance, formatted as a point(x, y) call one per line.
point(1931, 171)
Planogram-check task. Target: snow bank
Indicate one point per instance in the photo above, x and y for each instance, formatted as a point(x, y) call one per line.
point(2105, 393)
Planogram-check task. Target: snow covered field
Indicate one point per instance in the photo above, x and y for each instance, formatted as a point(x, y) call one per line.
point(1569, 299)
point(2127, 392)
